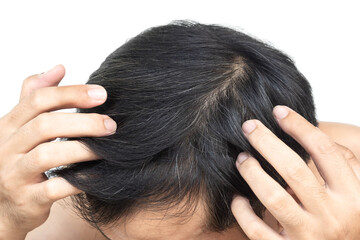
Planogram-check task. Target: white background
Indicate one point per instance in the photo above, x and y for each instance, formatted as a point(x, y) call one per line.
point(323, 37)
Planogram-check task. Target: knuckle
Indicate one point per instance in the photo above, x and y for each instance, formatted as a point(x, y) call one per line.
point(97, 117)
point(296, 172)
point(41, 123)
point(9, 178)
point(73, 95)
point(294, 220)
point(39, 157)
point(36, 99)
point(348, 154)
point(50, 191)
point(277, 201)
point(320, 193)
point(27, 81)
point(98, 121)
point(19, 201)
point(6, 182)
point(325, 146)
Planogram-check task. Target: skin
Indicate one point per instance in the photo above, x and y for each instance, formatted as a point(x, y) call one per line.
point(146, 223)
point(327, 209)
point(26, 195)
point(35, 201)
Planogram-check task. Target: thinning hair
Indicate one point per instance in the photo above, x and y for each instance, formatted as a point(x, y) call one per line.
point(179, 94)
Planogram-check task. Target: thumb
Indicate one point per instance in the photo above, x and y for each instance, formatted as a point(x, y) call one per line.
point(49, 79)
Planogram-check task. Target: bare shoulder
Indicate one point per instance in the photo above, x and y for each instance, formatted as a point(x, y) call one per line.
point(344, 134)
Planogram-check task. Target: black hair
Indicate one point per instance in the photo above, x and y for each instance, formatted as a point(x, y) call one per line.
point(179, 94)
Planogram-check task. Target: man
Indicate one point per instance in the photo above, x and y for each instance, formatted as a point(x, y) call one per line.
point(179, 94)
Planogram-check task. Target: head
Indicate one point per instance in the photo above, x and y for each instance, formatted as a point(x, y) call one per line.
point(179, 94)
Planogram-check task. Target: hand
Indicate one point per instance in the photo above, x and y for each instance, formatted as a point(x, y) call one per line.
point(26, 195)
point(326, 211)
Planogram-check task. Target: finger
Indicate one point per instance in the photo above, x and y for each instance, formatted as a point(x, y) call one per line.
point(49, 126)
point(286, 162)
point(254, 227)
point(52, 190)
point(275, 198)
point(48, 79)
point(50, 99)
point(324, 151)
point(53, 154)
point(351, 159)
point(285, 235)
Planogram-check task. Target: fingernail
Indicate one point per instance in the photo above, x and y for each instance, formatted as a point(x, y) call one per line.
point(280, 112)
point(110, 125)
point(242, 157)
point(248, 126)
point(97, 93)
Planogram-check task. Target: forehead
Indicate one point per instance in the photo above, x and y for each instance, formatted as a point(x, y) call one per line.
point(158, 225)
point(164, 225)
